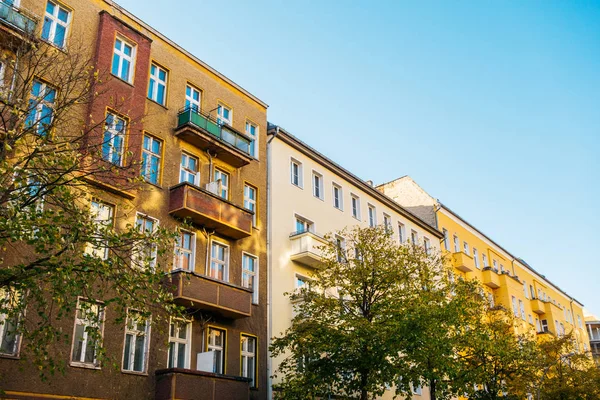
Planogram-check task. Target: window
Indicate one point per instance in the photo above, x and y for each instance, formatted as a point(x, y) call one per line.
point(401, 233)
point(303, 225)
point(114, 139)
point(222, 180)
point(372, 215)
point(485, 260)
point(157, 87)
point(418, 390)
point(466, 248)
point(219, 261)
point(252, 132)
point(476, 258)
point(532, 291)
point(414, 237)
point(301, 281)
point(387, 222)
point(355, 207)
point(525, 292)
point(179, 344)
point(427, 245)
point(185, 247)
point(579, 322)
point(40, 108)
point(56, 24)
point(337, 197)
point(340, 244)
point(123, 60)
point(530, 319)
point(188, 171)
point(250, 201)
point(250, 275)
point(193, 98)
point(151, 159)
point(522, 309)
point(216, 343)
point(9, 336)
point(495, 263)
point(514, 306)
point(501, 268)
point(145, 256)
point(137, 329)
point(456, 245)
point(248, 356)
point(224, 115)
point(317, 185)
point(491, 300)
point(446, 241)
point(102, 214)
point(1, 76)
point(296, 173)
point(86, 333)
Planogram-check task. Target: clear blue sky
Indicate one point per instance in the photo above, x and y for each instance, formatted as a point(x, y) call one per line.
point(492, 106)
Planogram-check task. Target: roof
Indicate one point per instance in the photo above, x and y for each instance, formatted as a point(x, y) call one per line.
point(338, 169)
point(182, 50)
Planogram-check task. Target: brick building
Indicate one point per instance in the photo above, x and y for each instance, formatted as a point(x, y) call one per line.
point(200, 139)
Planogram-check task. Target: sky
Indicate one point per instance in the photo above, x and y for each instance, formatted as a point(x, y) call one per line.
point(493, 107)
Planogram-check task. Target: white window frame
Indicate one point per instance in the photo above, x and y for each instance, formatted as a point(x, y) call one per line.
point(339, 198)
point(254, 142)
point(253, 275)
point(132, 353)
point(190, 102)
point(100, 252)
point(40, 102)
point(4, 324)
point(54, 21)
point(214, 347)
point(153, 89)
point(522, 309)
point(114, 133)
point(299, 175)
point(186, 171)
point(476, 258)
point(456, 243)
point(224, 263)
point(317, 185)
point(82, 321)
point(515, 306)
point(180, 252)
point(247, 356)
point(122, 56)
point(355, 203)
point(414, 237)
point(146, 169)
point(466, 248)
point(221, 120)
point(303, 278)
point(308, 225)
point(146, 217)
point(223, 188)
point(446, 239)
point(387, 222)
point(484, 259)
point(525, 289)
point(427, 245)
point(340, 243)
point(401, 233)
point(372, 213)
point(251, 203)
point(177, 340)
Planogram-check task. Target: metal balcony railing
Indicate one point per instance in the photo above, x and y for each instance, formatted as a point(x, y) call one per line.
point(222, 132)
point(15, 17)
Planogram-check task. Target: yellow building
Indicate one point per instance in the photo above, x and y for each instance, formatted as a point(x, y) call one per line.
point(540, 305)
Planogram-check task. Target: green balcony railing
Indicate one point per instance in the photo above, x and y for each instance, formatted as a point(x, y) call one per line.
point(220, 132)
point(16, 18)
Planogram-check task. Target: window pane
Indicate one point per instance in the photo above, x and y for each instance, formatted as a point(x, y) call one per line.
point(127, 352)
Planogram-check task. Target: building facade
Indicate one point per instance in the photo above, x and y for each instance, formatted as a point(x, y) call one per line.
point(310, 196)
point(593, 327)
point(201, 141)
point(539, 305)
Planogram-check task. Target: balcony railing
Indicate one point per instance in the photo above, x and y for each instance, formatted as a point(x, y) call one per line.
point(204, 132)
point(178, 383)
point(306, 248)
point(206, 293)
point(16, 18)
point(206, 208)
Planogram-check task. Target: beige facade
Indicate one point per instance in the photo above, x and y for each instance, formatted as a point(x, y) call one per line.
point(328, 208)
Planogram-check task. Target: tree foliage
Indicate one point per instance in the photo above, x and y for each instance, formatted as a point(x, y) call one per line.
point(47, 162)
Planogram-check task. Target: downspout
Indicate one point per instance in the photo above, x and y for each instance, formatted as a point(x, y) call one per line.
point(269, 269)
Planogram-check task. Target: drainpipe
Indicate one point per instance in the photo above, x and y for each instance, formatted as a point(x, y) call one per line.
point(269, 269)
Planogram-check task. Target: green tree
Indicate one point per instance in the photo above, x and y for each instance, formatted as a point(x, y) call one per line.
point(53, 248)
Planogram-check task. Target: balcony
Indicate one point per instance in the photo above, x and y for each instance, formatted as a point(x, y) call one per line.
point(177, 383)
point(491, 278)
point(538, 306)
point(202, 292)
point(208, 209)
point(463, 262)
point(306, 248)
point(14, 18)
point(221, 140)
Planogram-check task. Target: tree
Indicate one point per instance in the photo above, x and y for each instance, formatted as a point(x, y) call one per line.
point(564, 371)
point(497, 362)
point(359, 326)
point(56, 242)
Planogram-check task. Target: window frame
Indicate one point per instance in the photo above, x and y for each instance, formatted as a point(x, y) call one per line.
point(401, 232)
point(355, 206)
point(15, 354)
point(414, 237)
point(339, 197)
point(387, 222)
point(54, 21)
point(191, 252)
point(121, 54)
point(254, 143)
point(476, 258)
point(186, 169)
point(309, 224)
point(190, 103)
point(139, 215)
point(372, 215)
point(133, 332)
point(37, 104)
point(223, 189)
point(114, 134)
point(175, 339)
point(446, 239)
point(427, 245)
point(225, 262)
point(250, 201)
point(253, 275)
point(220, 118)
point(145, 167)
point(222, 348)
point(153, 89)
point(317, 189)
point(300, 173)
point(254, 381)
point(101, 309)
point(89, 248)
point(456, 242)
